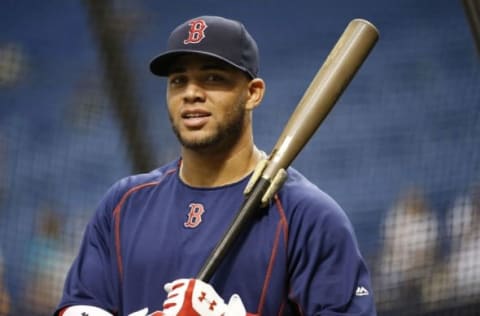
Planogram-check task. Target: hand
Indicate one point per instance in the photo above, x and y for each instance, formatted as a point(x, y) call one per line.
point(191, 297)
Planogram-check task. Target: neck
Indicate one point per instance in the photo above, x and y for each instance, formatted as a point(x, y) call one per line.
point(217, 169)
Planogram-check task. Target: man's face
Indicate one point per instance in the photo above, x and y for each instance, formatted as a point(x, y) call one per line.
point(206, 102)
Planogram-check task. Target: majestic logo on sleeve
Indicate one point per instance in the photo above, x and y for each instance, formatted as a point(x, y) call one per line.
point(194, 215)
point(197, 32)
point(361, 291)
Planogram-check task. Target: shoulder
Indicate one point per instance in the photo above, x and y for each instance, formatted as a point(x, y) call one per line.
point(143, 179)
point(124, 186)
point(298, 191)
point(303, 202)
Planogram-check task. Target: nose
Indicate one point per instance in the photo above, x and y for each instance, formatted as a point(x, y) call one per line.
point(193, 93)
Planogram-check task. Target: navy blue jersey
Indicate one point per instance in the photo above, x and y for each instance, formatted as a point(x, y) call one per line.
point(299, 257)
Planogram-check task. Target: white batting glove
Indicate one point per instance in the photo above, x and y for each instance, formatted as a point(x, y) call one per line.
point(191, 297)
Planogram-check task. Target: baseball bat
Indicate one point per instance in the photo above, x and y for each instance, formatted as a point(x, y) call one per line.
point(335, 74)
point(472, 10)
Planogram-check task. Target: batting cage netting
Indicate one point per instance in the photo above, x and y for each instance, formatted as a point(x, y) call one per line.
point(400, 151)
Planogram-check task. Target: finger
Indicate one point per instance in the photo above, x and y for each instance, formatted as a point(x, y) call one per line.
point(171, 286)
point(235, 306)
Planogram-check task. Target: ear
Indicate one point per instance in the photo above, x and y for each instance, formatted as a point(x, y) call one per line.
point(256, 90)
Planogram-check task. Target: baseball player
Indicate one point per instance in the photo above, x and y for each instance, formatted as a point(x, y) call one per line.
point(152, 232)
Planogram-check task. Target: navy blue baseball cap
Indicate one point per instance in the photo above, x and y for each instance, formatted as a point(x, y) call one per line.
point(215, 36)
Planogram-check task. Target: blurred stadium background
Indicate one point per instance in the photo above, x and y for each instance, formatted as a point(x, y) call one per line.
point(400, 151)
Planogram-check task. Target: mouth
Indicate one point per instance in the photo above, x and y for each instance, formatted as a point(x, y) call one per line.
point(194, 115)
point(195, 119)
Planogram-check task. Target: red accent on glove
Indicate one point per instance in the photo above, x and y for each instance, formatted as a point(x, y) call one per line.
point(187, 308)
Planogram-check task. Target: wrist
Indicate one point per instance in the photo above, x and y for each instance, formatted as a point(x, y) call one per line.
point(76, 310)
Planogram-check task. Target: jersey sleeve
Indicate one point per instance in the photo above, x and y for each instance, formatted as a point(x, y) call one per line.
point(328, 275)
point(93, 277)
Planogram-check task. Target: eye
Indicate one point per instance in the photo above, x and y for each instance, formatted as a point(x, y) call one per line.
point(213, 77)
point(177, 80)
point(216, 77)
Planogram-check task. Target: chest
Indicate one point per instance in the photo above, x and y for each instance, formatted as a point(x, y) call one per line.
point(169, 235)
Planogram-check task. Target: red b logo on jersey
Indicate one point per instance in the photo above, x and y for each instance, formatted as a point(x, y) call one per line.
point(197, 32)
point(194, 215)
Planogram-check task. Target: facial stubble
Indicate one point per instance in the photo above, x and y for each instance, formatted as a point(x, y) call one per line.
point(226, 134)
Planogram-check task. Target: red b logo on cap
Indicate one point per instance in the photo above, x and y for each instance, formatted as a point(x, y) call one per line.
point(197, 32)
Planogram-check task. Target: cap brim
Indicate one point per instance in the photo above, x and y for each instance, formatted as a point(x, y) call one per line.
point(161, 64)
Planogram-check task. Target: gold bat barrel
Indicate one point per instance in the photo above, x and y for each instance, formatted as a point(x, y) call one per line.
point(348, 54)
point(336, 72)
